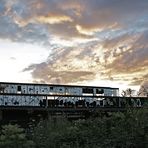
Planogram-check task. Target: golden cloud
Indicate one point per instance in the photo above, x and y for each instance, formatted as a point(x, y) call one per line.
point(93, 28)
point(49, 19)
point(53, 19)
point(87, 31)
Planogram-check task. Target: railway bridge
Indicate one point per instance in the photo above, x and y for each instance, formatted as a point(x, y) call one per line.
point(23, 102)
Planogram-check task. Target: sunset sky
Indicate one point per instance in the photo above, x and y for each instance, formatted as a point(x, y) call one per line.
point(85, 42)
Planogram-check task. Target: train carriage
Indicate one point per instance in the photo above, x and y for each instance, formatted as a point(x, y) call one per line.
point(50, 95)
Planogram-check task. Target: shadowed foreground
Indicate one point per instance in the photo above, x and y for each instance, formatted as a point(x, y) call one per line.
point(120, 130)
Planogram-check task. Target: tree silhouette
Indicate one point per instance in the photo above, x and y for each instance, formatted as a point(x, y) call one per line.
point(143, 91)
point(128, 92)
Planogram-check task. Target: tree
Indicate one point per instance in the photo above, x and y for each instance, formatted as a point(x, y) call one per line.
point(12, 136)
point(120, 130)
point(128, 92)
point(143, 91)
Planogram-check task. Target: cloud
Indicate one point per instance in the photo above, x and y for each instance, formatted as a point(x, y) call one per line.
point(10, 30)
point(12, 58)
point(123, 58)
point(134, 59)
point(48, 73)
point(126, 58)
point(29, 20)
point(81, 19)
point(100, 15)
point(51, 19)
point(2, 7)
point(107, 38)
point(69, 65)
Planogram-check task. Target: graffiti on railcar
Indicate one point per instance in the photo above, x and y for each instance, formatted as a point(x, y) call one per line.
point(6, 100)
point(13, 94)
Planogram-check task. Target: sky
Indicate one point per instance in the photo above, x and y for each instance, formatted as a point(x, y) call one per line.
point(84, 42)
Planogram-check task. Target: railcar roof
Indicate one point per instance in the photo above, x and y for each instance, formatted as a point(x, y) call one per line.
point(15, 83)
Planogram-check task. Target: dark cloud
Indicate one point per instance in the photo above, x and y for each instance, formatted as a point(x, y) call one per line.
point(30, 33)
point(90, 16)
point(137, 81)
point(47, 73)
point(134, 59)
point(119, 41)
point(34, 34)
point(2, 7)
point(111, 14)
point(66, 31)
point(7, 28)
point(129, 54)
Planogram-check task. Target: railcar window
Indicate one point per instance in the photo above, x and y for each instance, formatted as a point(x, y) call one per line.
point(18, 88)
point(51, 88)
point(99, 91)
point(87, 90)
